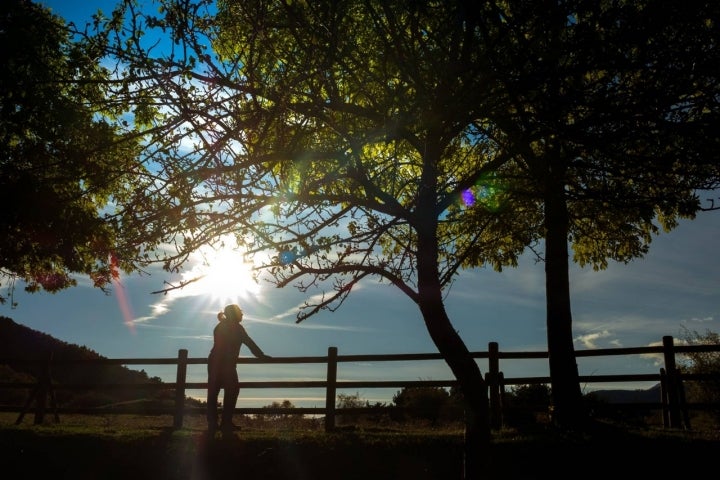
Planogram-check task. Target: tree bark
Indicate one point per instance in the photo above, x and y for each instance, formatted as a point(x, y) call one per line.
point(458, 358)
point(568, 411)
point(471, 383)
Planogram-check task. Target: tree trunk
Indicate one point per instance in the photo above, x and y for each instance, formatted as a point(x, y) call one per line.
point(471, 383)
point(476, 454)
point(567, 398)
point(458, 358)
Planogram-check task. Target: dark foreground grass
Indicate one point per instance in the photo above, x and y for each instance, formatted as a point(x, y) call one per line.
point(160, 453)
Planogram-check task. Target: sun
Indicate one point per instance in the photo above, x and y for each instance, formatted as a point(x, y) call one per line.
point(226, 276)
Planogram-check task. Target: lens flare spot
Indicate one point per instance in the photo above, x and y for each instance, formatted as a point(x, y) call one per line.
point(287, 256)
point(487, 192)
point(468, 197)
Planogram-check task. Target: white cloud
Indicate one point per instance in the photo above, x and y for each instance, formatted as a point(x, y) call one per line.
point(589, 340)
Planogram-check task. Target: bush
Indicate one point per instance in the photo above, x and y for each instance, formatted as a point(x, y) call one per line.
point(707, 363)
point(526, 404)
point(354, 401)
point(424, 403)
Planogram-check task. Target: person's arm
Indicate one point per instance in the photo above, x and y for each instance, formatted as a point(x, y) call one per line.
point(254, 349)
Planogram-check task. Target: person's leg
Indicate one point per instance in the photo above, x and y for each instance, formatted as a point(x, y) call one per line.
point(212, 402)
point(232, 390)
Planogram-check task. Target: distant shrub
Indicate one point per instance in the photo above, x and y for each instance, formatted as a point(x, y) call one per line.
point(705, 391)
point(285, 404)
point(380, 416)
point(526, 405)
point(424, 403)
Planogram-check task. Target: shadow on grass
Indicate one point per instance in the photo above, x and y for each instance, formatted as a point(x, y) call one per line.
point(164, 454)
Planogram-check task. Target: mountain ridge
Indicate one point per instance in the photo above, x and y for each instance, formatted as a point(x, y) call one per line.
point(24, 354)
point(649, 395)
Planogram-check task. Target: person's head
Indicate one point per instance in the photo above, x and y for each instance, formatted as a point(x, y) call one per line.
point(233, 313)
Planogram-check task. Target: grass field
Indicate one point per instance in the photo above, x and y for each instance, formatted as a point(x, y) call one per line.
point(131, 447)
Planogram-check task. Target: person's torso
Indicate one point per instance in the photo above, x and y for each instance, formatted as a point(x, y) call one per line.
point(228, 340)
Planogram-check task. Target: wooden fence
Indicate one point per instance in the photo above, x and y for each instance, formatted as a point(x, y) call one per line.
point(671, 403)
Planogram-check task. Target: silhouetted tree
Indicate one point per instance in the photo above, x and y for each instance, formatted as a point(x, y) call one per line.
point(62, 161)
point(349, 151)
point(610, 110)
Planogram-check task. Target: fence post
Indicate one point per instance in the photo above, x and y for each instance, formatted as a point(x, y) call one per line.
point(331, 389)
point(180, 388)
point(683, 404)
point(40, 394)
point(664, 398)
point(493, 381)
point(43, 390)
point(672, 381)
point(503, 398)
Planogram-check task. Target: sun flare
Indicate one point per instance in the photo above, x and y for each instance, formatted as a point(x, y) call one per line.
point(226, 276)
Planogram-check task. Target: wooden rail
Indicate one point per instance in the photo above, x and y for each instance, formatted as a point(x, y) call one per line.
point(672, 401)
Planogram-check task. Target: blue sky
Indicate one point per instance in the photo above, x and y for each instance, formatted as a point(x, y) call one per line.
point(676, 285)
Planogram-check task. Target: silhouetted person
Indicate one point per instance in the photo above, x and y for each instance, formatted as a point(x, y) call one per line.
point(229, 336)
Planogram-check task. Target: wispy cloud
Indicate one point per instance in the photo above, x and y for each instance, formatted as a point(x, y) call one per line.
point(589, 340)
point(699, 320)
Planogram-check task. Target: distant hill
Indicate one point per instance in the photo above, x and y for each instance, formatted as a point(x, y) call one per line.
point(19, 344)
point(650, 395)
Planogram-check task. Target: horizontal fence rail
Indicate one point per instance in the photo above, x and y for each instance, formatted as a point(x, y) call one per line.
point(672, 402)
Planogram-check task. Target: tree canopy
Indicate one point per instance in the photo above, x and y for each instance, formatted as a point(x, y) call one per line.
point(61, 160)
point(342, 137)
point(611, 111)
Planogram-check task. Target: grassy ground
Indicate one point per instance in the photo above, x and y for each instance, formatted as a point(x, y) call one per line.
point(127, 447)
